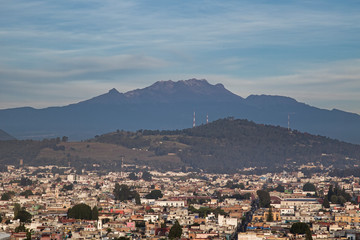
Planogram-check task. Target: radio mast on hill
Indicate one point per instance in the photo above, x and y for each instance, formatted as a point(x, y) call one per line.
point(289, 120)
point(207, 118)
point(194, 120)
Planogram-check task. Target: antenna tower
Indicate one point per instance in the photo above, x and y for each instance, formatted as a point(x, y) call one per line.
point(289, 129)
point(288, 121)
point(207, 118)
point(194, 121)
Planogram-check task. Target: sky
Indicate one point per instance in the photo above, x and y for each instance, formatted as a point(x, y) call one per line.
point(53, 53)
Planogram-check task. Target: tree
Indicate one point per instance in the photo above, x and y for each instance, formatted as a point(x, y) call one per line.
point(132, 176)
point(24, 216)
point(175, 231)
point(334, 199)
point(5, 197)
point(137, 199)
point(280, 188)
point(17, 208)
point(25, 182)
point(80, 211)
point(146, 176)
point(308, 235)
point(122, 192)
point(326, 203)
point(20, 228)
point(309, 187)
point(299, 228)
point(154, 194)
point(330, 192)
point(64, 139)
point(94, 213)
point(264, 198)
point(26, 193)
point(69, 187)
point(270, 216)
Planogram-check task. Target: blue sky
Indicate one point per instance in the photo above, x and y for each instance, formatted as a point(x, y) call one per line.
point(58, 52)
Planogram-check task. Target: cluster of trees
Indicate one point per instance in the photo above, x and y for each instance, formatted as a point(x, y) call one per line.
point(301, 228)
point(204, 211)
point(24, 217)
point(28, 150)
point(232, 185)
point(26, 193)
point(124, 138)
point(336, 195)
point(6, 196)
point(83, 211)
point(25, 182)
point(68, 187)
point(123, 193)
point(145, 175)
point(340, 172)
point(21, 214)
point(309, 187)
point(279, 188)
point(239, 196)
point(154, 194)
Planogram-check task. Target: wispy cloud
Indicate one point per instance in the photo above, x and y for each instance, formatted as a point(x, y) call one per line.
point(85, 65)
point(327, 85)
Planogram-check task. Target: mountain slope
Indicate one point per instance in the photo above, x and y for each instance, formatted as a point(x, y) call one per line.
point(170, 105)
point(4, 136)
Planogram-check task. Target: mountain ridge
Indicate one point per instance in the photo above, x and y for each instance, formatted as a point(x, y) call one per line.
point(170, 105)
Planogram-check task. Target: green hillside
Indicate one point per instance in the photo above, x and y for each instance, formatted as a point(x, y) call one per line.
point(225, 145)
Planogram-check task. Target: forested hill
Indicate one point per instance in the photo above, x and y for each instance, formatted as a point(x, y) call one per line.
point(223, 146)
point(228, 144)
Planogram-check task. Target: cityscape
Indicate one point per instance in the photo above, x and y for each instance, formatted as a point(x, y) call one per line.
point(40, 203)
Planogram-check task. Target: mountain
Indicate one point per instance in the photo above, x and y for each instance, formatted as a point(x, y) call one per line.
point(4, 136)
point(189, 91)
point(171, 105)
